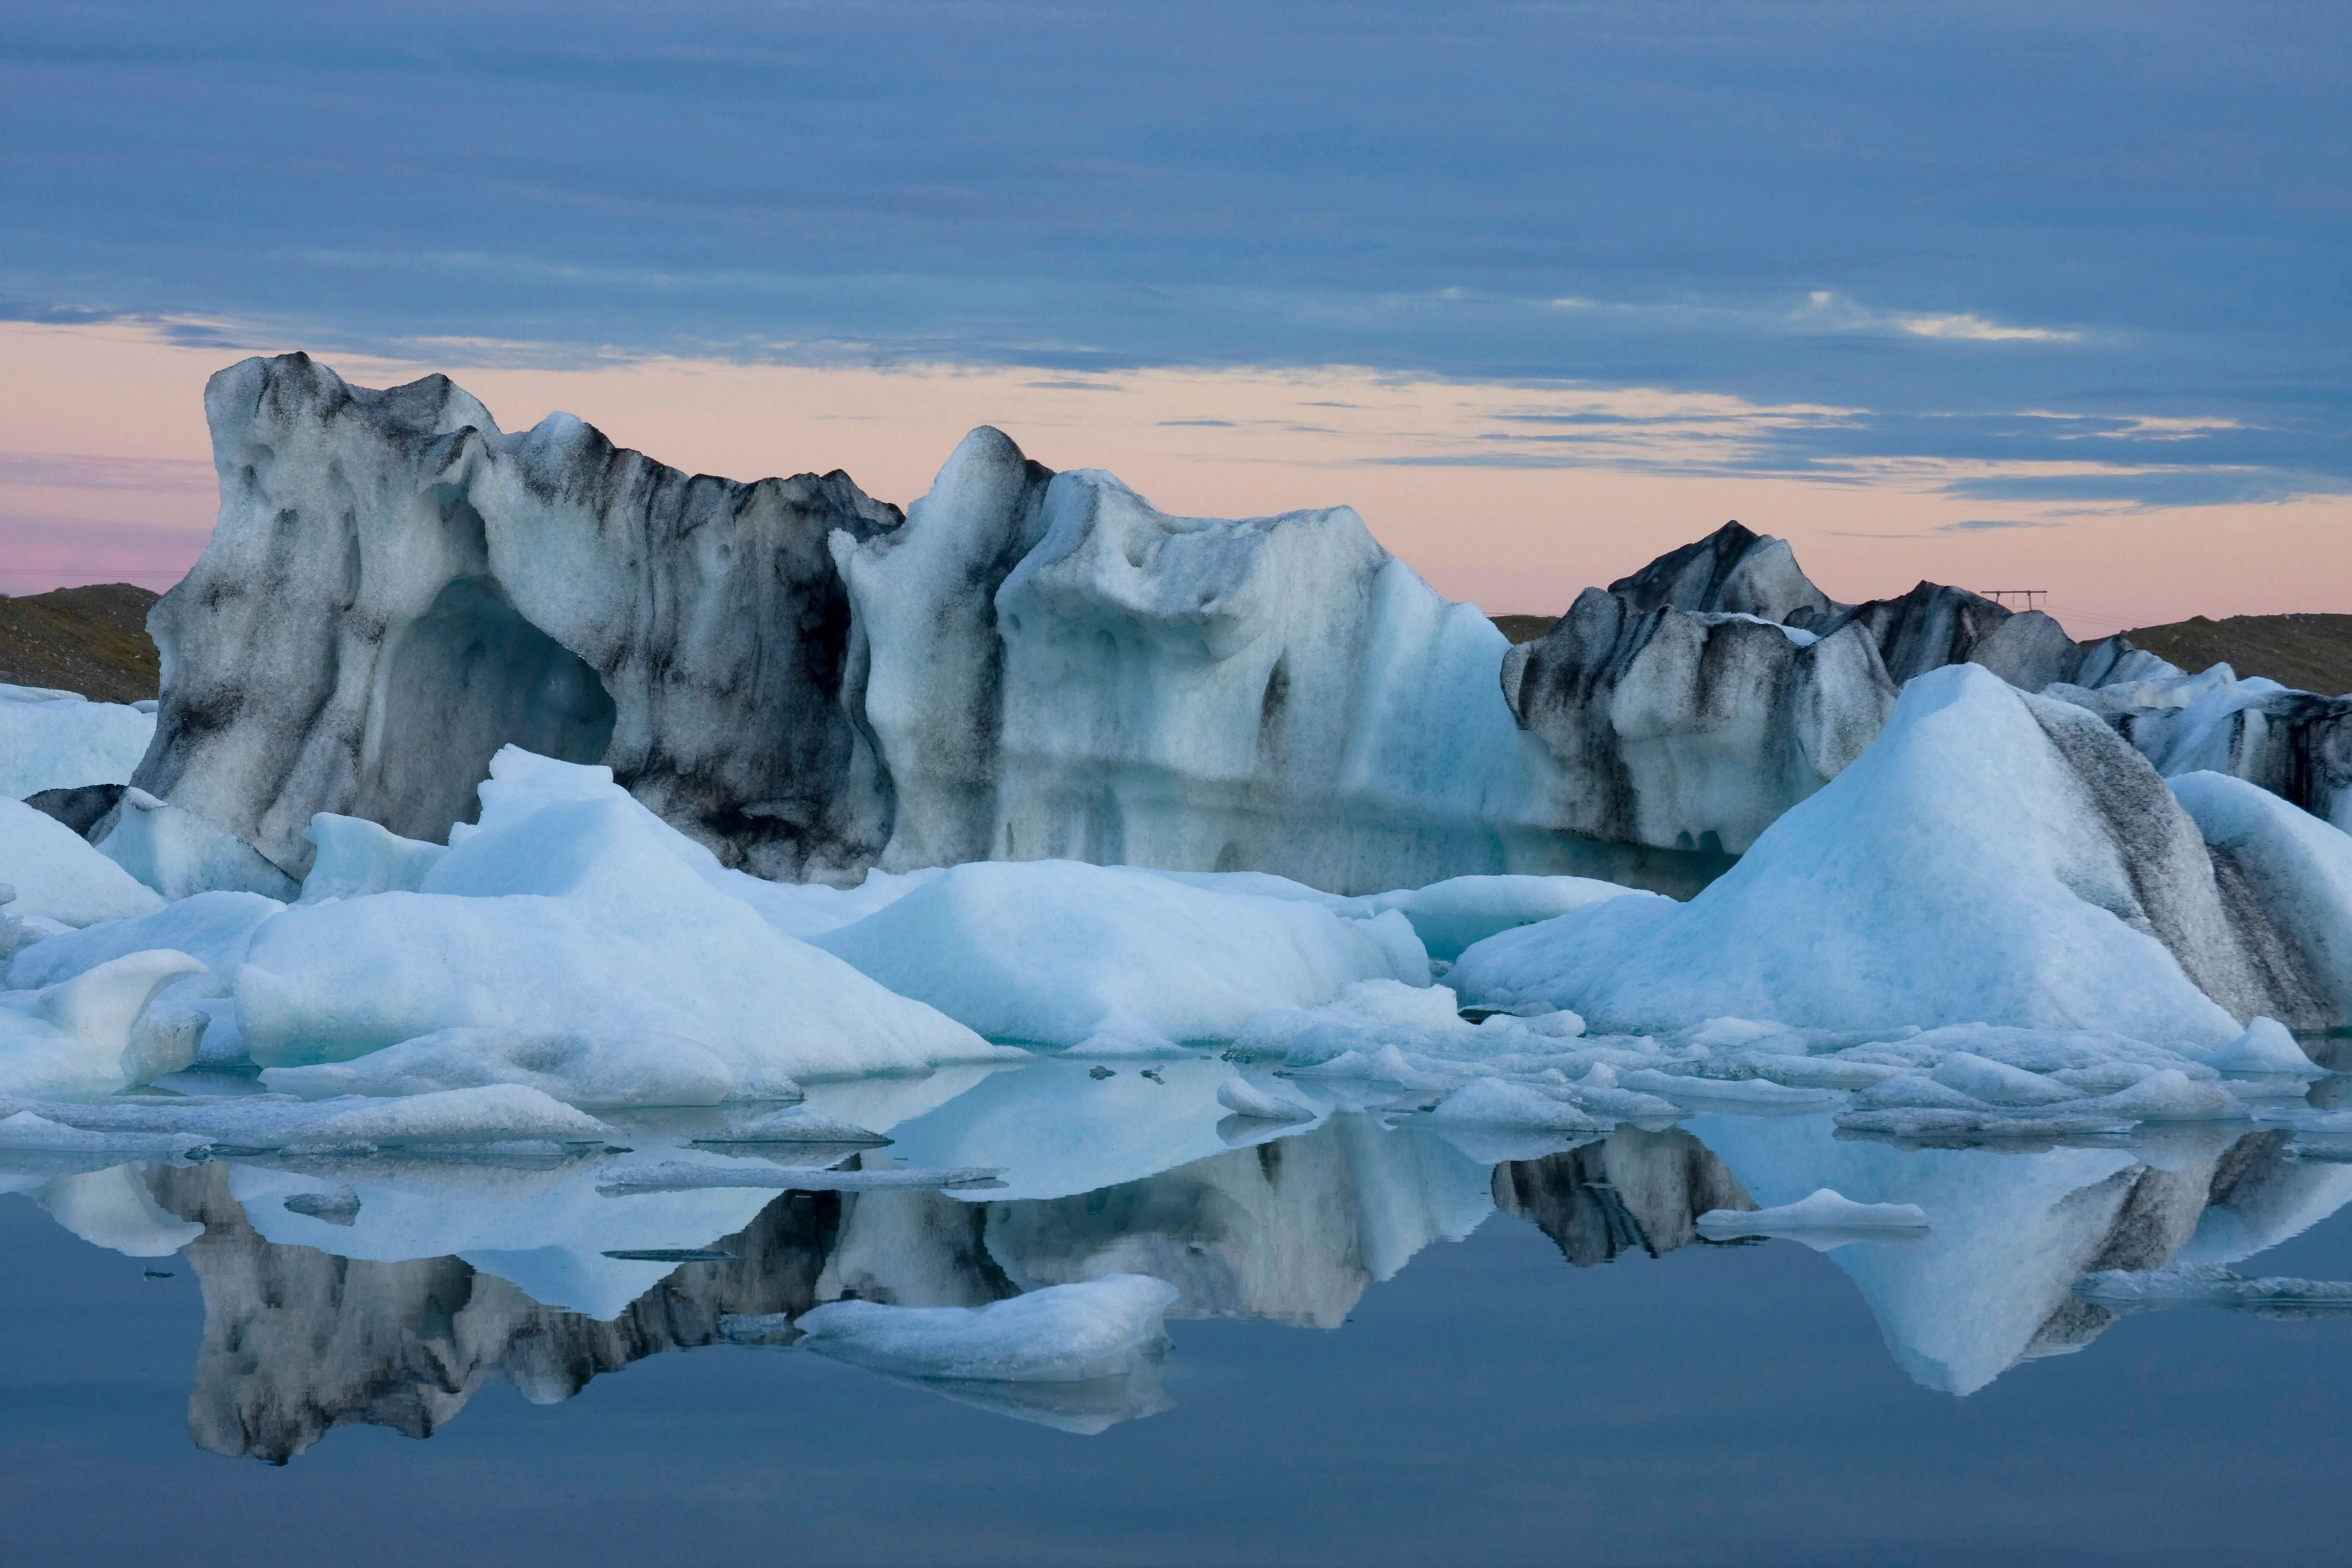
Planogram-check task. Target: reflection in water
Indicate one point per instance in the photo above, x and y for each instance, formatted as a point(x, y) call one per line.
point(299, 1338)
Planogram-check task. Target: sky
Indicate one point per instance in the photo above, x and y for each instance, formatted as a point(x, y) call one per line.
point(2008, 295)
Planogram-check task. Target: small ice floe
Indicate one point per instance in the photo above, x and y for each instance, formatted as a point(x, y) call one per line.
point(2205, 1285)
point(681, 1176)
point(503, 1112)
point(340, 1205)
point(1495, 1102)
point(1244, 1098)
point(2266, 1046)
point(1102, 1327)
point(641, 1069)
point(1827, 1219)
point(797, 1124)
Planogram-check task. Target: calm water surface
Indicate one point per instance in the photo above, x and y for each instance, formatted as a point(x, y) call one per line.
point(1390, 1350)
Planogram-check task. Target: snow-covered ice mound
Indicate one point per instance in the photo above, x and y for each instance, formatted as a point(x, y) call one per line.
point(1992, 857)
point(61, 739)
point(572, 909)
point(1065, 1333)
point(59, 878)
point(1110, 958)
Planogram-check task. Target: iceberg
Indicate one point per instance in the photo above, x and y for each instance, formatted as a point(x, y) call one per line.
point(1109, 959)
point(1993, 857)
point(572, 909)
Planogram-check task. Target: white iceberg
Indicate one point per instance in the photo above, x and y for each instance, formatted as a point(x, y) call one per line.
point(1065, 1333)
point(1991, 857)
point(1109, 958)
point(572, 909)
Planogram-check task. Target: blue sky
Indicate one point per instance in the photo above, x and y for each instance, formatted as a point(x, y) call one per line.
point(1995, 233)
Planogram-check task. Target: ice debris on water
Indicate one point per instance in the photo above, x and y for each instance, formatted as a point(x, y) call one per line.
point(680, 1176)
point(795, 1124)
point(2209, 1285)
point(1244, 1098)
point(1098, 1328)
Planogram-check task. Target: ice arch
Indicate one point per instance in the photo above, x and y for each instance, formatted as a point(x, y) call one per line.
point(469, 675)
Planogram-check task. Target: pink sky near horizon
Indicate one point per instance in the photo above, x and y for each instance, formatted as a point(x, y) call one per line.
point(105, 472)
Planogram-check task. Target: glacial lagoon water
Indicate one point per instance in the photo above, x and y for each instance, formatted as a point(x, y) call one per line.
point(1394, 1346)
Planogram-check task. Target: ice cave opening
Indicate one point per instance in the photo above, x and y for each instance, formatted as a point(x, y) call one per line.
point(469, 675)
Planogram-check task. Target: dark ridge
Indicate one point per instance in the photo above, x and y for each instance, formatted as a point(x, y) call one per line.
point(92, 640)
point(1524, 628)
point(2307, 652)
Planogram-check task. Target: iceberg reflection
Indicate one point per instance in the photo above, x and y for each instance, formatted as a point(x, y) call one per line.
point(386, 1291)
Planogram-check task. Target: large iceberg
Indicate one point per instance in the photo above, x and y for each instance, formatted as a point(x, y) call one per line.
point(571, 909)
point(1994, 857)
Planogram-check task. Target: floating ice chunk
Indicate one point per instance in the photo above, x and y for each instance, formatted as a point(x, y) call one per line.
point(795, 1124)
point(1099, 1328)
point(113, 1209)
point(178, 852)
point(61, 740)
point(1753, 1093)
point(493, 1113)
point(1057, 952)
point(1244, 1098)
point(338, 1206)
point(606, 1070)
point(2265, 1048)
point(59, 877)
point(571, 908)
point(2201, 1284)
point(1997, 1083)
point(1492, 1102)
point(356, 857)
point(1824, 1220)
point(27, 1131)
point(1964, 868)
point(83, 1035)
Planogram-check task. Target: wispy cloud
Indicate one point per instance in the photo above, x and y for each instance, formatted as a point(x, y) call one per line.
point(1977, 330)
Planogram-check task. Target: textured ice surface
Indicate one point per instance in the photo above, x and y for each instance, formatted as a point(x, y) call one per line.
point(1064, 1333)
point(59, 877)
point(177, 851)
point(56, 739)
point(1059, 953)
point(571, 908)
point(1989, 860)
point(85, 1035)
